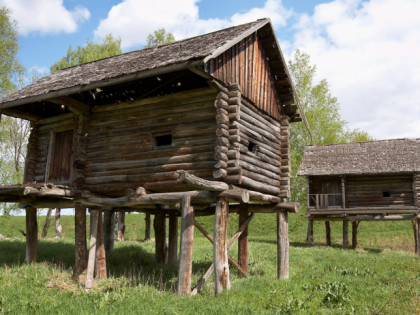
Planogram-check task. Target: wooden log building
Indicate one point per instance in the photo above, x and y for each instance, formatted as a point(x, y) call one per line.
point(191, 128)
point(364, 181)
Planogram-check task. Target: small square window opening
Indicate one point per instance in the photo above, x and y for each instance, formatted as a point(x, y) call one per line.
point(163, 140)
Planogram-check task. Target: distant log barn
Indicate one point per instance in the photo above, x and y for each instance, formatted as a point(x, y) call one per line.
point(366, 181)
point(195, 127)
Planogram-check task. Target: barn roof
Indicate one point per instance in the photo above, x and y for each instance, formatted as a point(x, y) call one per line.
point(189, 54)
point(375, 157)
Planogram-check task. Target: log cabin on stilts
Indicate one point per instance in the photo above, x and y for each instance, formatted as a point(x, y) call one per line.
point(365, 181)
point(191, 128)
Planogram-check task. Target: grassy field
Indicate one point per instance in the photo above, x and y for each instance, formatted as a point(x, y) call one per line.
point(381, 277)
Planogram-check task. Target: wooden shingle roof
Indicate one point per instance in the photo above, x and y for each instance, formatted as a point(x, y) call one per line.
point(375, 157)
point(132, 65)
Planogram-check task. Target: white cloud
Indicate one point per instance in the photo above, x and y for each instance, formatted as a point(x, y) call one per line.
point(369, 53)
point(45, 16)
point(133, 20)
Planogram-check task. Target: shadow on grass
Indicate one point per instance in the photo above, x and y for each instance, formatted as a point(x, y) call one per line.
point(305, 245)
point(130, 261)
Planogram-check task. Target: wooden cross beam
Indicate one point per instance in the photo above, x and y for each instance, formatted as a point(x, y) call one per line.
point(209, 272)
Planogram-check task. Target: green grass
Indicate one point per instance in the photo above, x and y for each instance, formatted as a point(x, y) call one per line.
point(381, 277)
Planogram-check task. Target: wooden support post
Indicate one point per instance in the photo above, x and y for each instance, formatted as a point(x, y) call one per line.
point(221, 266)
point(416, 226)
point(147, 229)
point(282, 245)
point(328, 233)
point(186, 250)
point(100, 249)
point(310, 235)
point(160, 238)
point(94, 214)
point(80, 237)
point(31, 235)
point(345, 234)
point(354, 226)
point(121, 226)
point(173, 240)
point(58, 226)
point(243, 239)
point(109, 230)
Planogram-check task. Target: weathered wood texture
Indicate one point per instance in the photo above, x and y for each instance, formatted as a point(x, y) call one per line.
point(310, 232)
point(366, 191)
point(220, 256)
point(246, 63)
point(80, 237)
point(121, 226)
point(147, 227)
point(258, 150)
point(42, 143)
point(354, 227)
point(31, 155)
point(109, 227)
point(173, 240)
point(159, 224)
point(416, 226)
point(123, 151)
point(31, 235)
point(327, 233)
point(186, 250)
point(100, 266)
point(282, 245)
point(58, 226)
point(345, 234)
point(243, 239)
point(94, 214)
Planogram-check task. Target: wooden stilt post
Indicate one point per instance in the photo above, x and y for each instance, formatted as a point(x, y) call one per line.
point(100, 249)
point(354, 226)
point(31, 235)
point(328, 233)
point(243, 239)
point(160, 238)
point(310, 235)
point(80, 237)
point(58, 226)
point(173, 240)
point(416, 227)
point(121, 226)
point(109, 230)
point(147, 229)
point(221, 266)
point(94, 214)
point(186, 250)
point(282, 245)
point(345, 234)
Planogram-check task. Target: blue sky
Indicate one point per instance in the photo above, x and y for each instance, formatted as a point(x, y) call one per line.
point(367, 49)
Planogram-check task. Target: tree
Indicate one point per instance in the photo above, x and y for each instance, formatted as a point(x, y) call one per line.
point(159, 37)
point(322, 111)
point(11, 71)
point(109, 47)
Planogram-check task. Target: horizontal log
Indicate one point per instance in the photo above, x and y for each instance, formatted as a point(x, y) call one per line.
point(261, 187)
point(255, 196)
point(235, 195)
point(368, 218)
point(219, 173)
point(199, 183)
point(261, 178)
point(199, 196)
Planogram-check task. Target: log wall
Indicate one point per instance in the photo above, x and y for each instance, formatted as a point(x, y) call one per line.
point(246, 64)
point(416, 190)
point(367, 191)
point(121, 149)
point(258, 147)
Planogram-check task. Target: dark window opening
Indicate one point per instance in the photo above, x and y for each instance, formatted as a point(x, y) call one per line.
point(163, 140)
point(252, 147)
point(386, 194)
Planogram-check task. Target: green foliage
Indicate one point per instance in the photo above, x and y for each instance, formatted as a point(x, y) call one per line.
point(109, 47)
point(159, 37)
point(322, 111)
point(11, 70)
